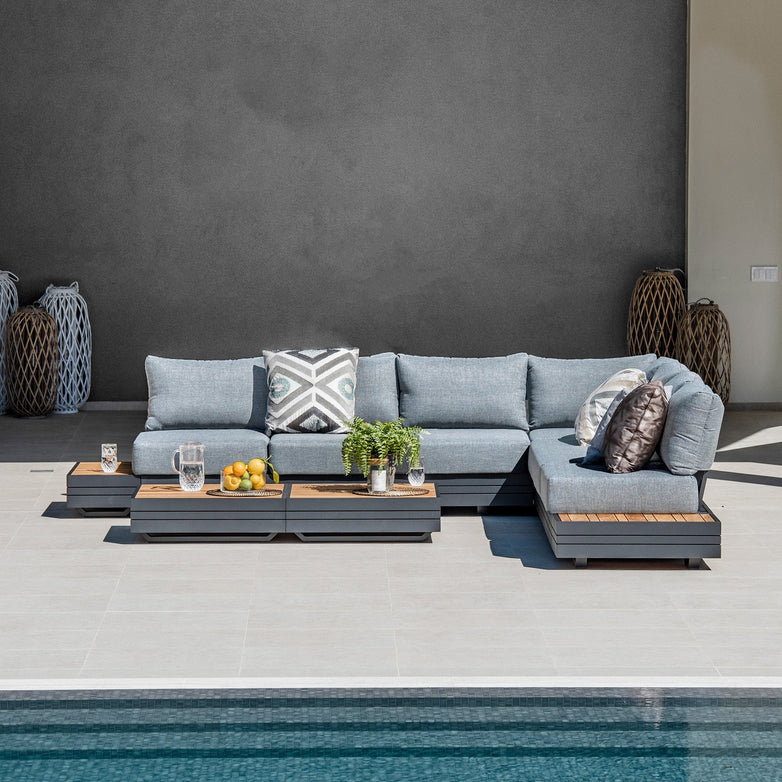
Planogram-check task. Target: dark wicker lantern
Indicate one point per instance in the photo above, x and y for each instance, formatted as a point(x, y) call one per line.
point(32, 360)
point(656, 307)
point(704, 345)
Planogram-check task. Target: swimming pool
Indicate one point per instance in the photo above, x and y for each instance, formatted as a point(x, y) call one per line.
point(392, 735)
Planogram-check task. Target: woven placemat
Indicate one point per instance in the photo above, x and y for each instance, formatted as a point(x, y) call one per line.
point(412, 492)
point(237, 493)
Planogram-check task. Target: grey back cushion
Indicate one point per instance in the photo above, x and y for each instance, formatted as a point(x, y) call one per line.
point(377, 398)
point(463, 392)
point(206, 394)
point(557, 387)
point(671, 372)
point(692, 428)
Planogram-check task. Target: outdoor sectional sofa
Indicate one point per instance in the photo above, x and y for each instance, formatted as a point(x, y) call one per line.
point(499, 432)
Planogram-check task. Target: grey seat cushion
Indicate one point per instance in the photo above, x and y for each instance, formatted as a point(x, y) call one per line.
point(565, 486)
point(199, 394)
point(557, 387)
point(457, 451)
point(472, 393)
point(377, 398)
point(307, 454)
point(152, 450)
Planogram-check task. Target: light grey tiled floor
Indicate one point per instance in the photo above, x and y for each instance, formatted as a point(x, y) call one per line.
point(83, 598)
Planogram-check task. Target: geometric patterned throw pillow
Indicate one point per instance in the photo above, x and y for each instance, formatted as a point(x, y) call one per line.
point(310, 390)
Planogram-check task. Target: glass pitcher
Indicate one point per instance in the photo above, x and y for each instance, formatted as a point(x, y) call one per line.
point(190, 467)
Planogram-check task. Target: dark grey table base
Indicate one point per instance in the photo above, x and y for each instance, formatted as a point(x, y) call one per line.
point(165, 514)
point(92, 492)
point(353, 518)
point(580, 541)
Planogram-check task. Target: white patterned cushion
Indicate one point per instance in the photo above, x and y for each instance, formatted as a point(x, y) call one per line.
point(597, 403)
point(310, 390)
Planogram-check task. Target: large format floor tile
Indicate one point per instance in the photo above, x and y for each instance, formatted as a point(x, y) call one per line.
point(85, 598)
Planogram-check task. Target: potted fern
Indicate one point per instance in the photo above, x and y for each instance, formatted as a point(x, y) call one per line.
point(378, 448)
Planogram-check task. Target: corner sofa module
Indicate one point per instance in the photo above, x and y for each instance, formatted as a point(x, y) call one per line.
point(656, 512)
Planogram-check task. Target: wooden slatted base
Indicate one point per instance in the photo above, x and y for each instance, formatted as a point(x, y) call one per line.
point(634, 516)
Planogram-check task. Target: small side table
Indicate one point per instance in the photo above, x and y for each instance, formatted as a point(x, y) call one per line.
point(96, 493)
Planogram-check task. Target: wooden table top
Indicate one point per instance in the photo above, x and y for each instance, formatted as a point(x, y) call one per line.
point(150, 491)
point(308, 491)
point(94, 468)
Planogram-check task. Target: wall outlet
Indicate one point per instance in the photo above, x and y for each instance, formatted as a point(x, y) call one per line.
point(764, 273)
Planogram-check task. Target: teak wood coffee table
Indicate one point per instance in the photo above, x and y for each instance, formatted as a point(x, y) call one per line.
point(337, 511)
point(162, 512)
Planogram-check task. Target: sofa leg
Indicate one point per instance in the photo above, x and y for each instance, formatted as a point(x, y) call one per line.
point(693, 562)
point(580, 562)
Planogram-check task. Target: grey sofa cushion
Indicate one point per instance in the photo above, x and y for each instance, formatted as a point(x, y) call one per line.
point(460, 451)
point(463, 392)
point(692, 429)
point(557, 387)
point(377, 398)
point(672, 373)
point(565, 486)
point(307, 454)
point(152, 450)
point(205, 394)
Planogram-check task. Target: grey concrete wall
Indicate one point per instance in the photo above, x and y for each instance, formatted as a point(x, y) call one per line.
point(442, 177)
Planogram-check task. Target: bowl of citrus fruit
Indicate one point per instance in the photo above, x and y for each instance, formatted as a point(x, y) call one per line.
point(244, 477)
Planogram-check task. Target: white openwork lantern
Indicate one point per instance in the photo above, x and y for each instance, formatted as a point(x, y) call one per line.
point(9, 304)
point(69, 310)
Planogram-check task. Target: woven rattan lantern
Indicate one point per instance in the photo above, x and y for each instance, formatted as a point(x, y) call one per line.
point(656, 307)
point(704, 345)
point(9, 303)
point(66, 305)
point(32, 359)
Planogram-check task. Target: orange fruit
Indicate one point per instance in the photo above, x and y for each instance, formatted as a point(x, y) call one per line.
point(256, 466)
point(231, 482)
point(239, 469)
point(229, 470)
point(258, 481)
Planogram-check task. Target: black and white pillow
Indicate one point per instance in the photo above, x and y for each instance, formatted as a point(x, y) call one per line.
point(310, 390)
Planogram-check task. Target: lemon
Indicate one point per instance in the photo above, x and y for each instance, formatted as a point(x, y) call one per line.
point(258, 481)
point(231, 482)
point(256, 466)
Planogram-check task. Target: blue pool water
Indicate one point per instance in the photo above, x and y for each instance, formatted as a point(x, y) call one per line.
point(389, 735)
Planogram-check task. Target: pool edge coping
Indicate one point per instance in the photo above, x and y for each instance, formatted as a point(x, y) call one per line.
point(394, 683)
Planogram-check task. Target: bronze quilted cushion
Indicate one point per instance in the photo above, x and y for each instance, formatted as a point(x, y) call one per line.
point(635, 429)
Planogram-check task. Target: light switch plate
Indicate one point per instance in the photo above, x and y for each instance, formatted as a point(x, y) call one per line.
point(764, 273)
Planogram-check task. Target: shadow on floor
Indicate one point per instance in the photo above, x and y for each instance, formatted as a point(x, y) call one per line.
point(743, 477)
point(523, 538)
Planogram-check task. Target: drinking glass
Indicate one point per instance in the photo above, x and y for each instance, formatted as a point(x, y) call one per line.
point(415, 474)
point(190, 467)
point(108, 457)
